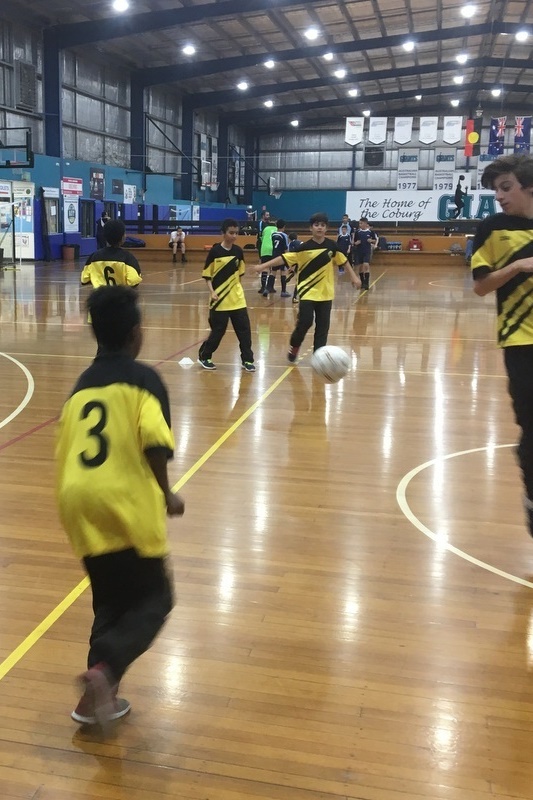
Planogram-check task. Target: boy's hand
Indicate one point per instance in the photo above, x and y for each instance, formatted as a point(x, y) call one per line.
point(356, 282)
point(214, 296)
point(257, 267)
point(175, 505)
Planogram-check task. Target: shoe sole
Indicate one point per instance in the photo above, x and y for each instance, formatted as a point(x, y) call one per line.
point(93, 721)
point(209, 369)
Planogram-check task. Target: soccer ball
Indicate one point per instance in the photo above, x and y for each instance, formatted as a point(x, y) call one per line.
point(330, 363)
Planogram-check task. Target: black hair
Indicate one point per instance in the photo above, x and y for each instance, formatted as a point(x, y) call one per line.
point(520, 166)
point(228, 223)
point(114, 231)
point(293, 236)
point(319, 217)
point(114, 313)
point(281, 224)
point(363, 219)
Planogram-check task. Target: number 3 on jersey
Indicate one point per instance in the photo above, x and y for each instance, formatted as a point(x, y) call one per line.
point(88, 457)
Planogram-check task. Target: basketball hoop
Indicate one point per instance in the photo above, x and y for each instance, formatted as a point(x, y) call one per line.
point(214, 187)
point(276, 195)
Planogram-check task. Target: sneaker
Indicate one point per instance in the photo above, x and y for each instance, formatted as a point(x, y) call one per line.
point(261, 290)
point(341, 271)
point(292, 355)
point(206, 363)
point(249, 366)
point(98, 699)
point(84, 711)
point(295, 299)
point(285, 294)
point(265, 293)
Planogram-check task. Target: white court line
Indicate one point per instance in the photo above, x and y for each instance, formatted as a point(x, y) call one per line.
point(404, 505)
point(29, 391)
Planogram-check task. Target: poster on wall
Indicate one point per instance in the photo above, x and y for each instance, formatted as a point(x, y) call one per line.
point(443, 169)
point(407, 169)
point(419, 206)
point(97, 184)
point(23, 199)
point(117, 187)
point(130, 193)
point(71, 222)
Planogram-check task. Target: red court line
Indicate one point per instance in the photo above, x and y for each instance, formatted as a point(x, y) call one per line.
point(42, 425)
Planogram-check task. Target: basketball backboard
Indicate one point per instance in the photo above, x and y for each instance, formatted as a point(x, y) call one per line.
point(15, 148)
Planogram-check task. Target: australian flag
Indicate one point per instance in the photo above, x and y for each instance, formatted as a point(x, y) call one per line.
point(496, 135)
point(522, 134)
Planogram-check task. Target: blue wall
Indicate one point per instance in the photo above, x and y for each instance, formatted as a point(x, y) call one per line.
point(48, 171)
point(300, 205)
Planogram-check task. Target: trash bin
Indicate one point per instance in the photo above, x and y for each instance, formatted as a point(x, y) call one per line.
point(70, 252)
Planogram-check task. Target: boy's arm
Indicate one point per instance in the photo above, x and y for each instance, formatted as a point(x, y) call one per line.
point(495, 280)
point(355, 280)
point(274, 262)
point(157, 457)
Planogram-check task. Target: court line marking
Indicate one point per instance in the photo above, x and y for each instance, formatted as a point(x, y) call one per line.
point(29, 391)
point(37, 633)
point(401, 499)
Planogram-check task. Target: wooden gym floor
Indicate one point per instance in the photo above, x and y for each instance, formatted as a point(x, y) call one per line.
point(355, 582)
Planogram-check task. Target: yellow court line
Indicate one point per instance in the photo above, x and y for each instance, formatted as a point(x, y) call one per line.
point(12, 660)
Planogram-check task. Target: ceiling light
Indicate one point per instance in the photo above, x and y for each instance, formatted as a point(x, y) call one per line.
point(328, 56)
point(366, 112)
point(294, 123)
point(340, 73)
point(189, 50)
point(495, 92)
point(455, 103)
point(270, 64)
point(468, 11)
point(458, 79)
point(353, 92)
point(521, 36)
point(462, 58)
point(242, 86)
point(418, 97)
point(269, 103)
point(121, 5)
point(311, 34)
point(408, 46)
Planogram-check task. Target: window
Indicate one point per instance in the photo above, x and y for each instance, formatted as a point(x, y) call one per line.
point(87, 219)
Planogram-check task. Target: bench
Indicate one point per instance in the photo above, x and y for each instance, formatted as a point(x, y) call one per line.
point(157, 243)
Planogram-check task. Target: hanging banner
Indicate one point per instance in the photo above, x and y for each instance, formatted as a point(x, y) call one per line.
point(354, 130)
point(407, 170)
point(451, 133)
point(473, 136)
point(403, 130)
point(377, 132)
point(522, 134)
point(428, 129)
point(443, 169)
point(496, 135)
point(71, 220)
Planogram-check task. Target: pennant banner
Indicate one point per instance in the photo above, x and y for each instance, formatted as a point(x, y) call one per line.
point(443, 169)
point(403, 129)
point(428, 129)
point(522, 134)
point(377, 132)
point(496, 135)
point(354, 130)
point(451, 133)
point(407, 170)
point(473, 136)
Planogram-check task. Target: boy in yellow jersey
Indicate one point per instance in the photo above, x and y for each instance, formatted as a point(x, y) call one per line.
point(113, 444)
point(111, 265)
point(314, 263)
point(502, 262)
point(224, 266)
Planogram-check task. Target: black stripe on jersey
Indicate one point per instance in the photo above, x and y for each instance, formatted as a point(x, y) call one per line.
point(317, 262)
point(310, 284)
point(106, 254)
point(108, 368)
point(225, 273)
point(508, 327)
point(221, 297)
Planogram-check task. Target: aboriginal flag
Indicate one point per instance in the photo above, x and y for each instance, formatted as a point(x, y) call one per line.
point(473, 136)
